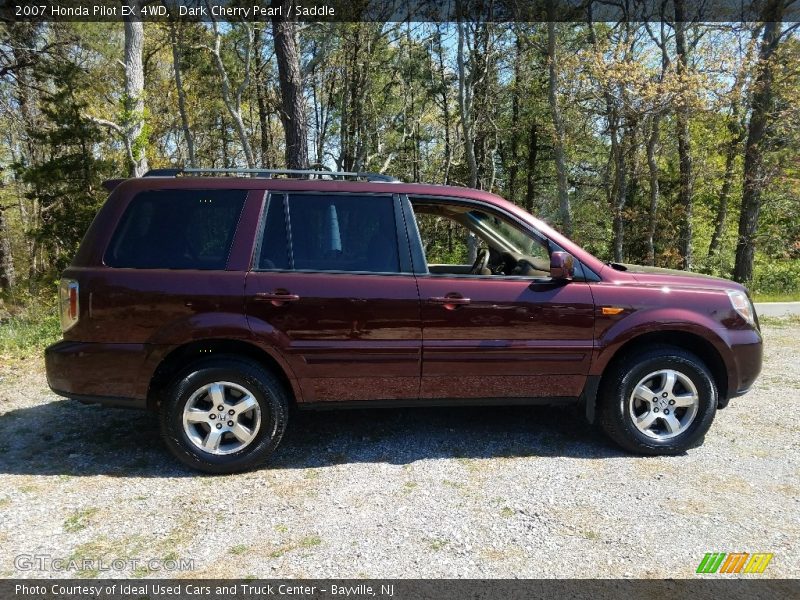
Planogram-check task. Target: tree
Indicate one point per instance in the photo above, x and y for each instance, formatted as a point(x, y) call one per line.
point(737, 130)
point(133, 119)
point(176, 42)
point(233, 98)
point(7, 273)
point(130, 125)
point(67, 181)
point(760, 114)
point(565, 212)
point(685, 191)
point(293, 113)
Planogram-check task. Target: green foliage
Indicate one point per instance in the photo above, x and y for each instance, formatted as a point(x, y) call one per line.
point(66, 184)
point(34, 325)
point(384, 97)
point(775, 277)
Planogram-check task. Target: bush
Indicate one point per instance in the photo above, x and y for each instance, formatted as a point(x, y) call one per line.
point(27, 327)
point(776, 278)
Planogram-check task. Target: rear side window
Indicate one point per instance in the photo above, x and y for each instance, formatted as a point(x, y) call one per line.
point(177, 229)
point(274, 252)
point(343, 233)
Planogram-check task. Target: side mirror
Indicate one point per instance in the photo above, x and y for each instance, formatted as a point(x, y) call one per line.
point(562, 266)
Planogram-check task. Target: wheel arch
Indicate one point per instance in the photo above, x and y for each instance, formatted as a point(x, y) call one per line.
point(185, 354)
point(691, 342)
point(685, 340)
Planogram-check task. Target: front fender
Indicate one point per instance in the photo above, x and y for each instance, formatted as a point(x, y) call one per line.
point(629, 326)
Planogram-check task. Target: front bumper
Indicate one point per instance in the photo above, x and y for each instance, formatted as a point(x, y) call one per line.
point(746, 351)
point(97, 373)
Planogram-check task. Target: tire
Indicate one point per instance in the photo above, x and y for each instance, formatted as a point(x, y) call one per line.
point(248, 432)
point(680, 414)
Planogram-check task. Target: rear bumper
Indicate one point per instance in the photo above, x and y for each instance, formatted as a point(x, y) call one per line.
point(97, 373)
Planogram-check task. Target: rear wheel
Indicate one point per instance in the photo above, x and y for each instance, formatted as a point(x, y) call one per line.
point(661, 401)
point(224, 415)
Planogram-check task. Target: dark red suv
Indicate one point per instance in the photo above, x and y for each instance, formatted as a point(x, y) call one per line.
point(221, 301)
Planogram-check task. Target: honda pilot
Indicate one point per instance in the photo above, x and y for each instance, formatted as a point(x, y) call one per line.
point(220, 300)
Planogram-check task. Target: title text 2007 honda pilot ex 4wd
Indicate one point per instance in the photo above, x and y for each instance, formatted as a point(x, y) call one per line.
point(221, 301)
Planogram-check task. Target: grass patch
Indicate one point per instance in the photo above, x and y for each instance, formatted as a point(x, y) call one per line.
point(238, 549)
point(590, 535)
point(310, 541)
point(454, 484)
point(787, 321)
point(438, 544)
point(779, 297)
point(306, 543)
point(409, 486)
point(79, 520)
point(26, 331)
point(507, 512)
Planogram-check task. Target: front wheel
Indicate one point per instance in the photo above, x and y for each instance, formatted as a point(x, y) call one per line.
point(661, 401)
point(224, 415)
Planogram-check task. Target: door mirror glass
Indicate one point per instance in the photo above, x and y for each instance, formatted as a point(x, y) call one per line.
point(562, 266)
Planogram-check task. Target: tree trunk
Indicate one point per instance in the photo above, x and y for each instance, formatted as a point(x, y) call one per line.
point(724, 196)
point(448, 145)
point(652, 165)
point(465, 106)
point(513, 167)
point(685, 191)
point(264, 120)
point(760, 108)
point(565, 213)
point(533, 149)
point(293, 113)
point(133, 102)
point(176, 41)
point(7, 275)
point(233, 98)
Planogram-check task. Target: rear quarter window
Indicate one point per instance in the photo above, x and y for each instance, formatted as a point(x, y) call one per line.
point(177, 229)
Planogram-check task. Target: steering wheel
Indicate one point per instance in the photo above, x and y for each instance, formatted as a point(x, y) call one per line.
point(481, 262)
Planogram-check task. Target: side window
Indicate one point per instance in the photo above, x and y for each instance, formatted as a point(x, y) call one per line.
point(177, 229)
point(501, 247)
point(343, 233)
point(274, 252)
point(444, 240)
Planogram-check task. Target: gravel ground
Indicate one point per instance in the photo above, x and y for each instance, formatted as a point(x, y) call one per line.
point(511, 492)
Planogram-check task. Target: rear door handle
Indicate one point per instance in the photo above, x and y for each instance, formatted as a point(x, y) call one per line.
point(450, 301)
point(277, 298)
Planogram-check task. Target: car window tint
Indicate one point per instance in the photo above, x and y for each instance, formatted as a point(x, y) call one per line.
point(343, 233)
point(177, 229)
point(274, 245)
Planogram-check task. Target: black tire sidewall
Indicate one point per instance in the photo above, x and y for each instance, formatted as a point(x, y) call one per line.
point(264, 387)
point(618, 421)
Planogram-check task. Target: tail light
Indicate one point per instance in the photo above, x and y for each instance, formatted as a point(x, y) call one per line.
point(68, 302)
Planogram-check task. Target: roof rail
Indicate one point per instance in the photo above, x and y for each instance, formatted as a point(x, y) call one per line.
point(270, 173)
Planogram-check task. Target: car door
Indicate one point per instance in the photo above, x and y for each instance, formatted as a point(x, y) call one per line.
point(499, 336)
point(332, 291)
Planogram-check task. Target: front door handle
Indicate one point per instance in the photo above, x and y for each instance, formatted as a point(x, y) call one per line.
point(450, 301)
point(277, 297)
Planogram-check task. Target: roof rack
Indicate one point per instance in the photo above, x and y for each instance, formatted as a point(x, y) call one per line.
point(271, 173)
